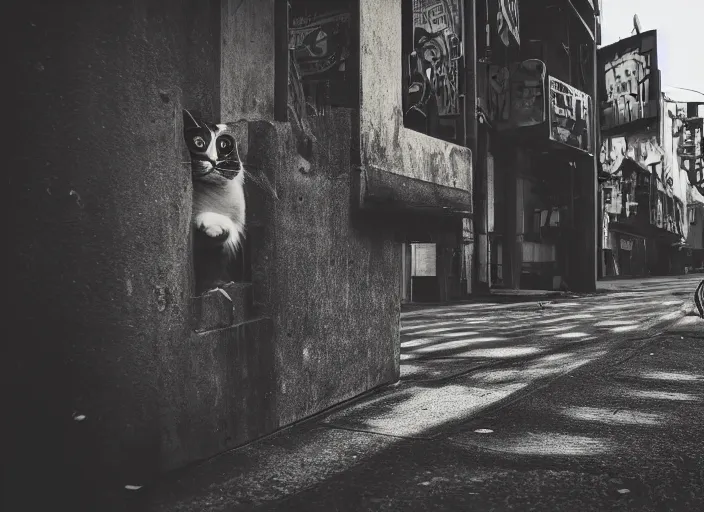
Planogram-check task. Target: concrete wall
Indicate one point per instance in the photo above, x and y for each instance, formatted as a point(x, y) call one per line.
point(385, 143)
point(113, 382)
point(102, 268)
point(247, 77)
point(328, 281)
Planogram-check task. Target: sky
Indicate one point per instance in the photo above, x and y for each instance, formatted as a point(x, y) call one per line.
point(680, 26)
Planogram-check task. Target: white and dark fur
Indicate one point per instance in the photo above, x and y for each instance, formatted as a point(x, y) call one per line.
point(218, 197)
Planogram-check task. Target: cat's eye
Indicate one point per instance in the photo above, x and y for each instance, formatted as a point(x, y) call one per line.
point(225, 145)
point(199, 142)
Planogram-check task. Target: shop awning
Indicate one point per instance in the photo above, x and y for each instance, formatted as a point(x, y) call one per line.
point(679, 95)
point(694, 197)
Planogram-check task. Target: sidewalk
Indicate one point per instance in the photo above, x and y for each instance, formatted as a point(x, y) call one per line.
point(606, 285)
point(460, 363)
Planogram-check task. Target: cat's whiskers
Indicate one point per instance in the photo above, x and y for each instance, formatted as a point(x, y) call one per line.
point(262, 181)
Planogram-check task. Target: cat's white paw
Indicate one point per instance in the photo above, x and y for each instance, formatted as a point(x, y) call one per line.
point(214, 225)
point(215, 231)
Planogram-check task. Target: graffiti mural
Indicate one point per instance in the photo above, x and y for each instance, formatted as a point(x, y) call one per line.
point(630, 80)
point(687, 133)
point(508, 21)
point(434, 64)
point(570, 115)
point(516, 94)
point(643, 149)
point(320, 36)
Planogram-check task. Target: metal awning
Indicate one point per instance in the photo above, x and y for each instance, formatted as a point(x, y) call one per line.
point(680, 95)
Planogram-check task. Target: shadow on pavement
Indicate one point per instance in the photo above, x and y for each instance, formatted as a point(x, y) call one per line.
point(453, 435)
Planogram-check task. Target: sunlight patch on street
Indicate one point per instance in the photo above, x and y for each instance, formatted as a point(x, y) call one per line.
point(660, 395)
point(670, 316)
point(572, 335)
point(503, 352)
point(681, 377)
point(613, 323)
point(551, 444)
point(421, 410)
point(565, 318)
point(613, 416)
point(447, 345)
point(626, 328)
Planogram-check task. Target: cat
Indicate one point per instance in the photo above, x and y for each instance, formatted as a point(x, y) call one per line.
point(219, 206)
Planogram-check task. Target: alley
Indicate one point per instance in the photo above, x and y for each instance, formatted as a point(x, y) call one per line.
point(583, 403)
point(355, 255)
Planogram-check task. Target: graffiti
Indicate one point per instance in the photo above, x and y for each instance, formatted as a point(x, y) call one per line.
point(498, 91)
point(605, 229)
point(687, 135)
point(508, 21)
point(629, 80)
point(321, 43)
point(643, 149)
point(570, 115)
point(656, 213)
point(613, 151)
point(320, 39)
point(434, 63)
point(667, 213)
point(516, 94)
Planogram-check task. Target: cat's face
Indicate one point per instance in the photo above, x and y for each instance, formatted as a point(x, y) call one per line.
point(213, 148)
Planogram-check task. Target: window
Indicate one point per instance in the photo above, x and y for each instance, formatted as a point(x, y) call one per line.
point(423, 260)
point(323, 45)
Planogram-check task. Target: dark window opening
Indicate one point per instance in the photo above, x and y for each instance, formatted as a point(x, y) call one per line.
point(322, 40)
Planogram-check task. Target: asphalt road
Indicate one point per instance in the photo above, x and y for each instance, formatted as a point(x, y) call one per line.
point(578, 404)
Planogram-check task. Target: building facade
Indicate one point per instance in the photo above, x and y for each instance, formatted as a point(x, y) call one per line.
point(535, 185)
point(649, 163)
point(130, 371)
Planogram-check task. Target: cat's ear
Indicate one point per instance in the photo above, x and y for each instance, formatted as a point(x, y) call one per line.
point(189, 121)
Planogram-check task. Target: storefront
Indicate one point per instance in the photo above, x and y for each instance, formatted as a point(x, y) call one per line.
point(625, 255)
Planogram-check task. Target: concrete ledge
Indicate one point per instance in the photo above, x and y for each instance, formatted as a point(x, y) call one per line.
point(383, 189)
point(222, 307)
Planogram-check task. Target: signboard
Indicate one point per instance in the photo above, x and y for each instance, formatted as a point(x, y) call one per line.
point(629, 80)
point(626, 245)
point(516, 94)
point(570, 115)
point(642, 148)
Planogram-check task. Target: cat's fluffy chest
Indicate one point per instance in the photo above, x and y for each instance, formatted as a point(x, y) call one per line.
point(224, 198)
point(219, 211)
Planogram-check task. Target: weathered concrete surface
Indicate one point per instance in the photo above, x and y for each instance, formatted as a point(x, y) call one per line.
point(385, 143)
point(247, 60)
point(329, 281)
point(101, 202)
point(113, 383)
point(570, 427)
point(229, 387)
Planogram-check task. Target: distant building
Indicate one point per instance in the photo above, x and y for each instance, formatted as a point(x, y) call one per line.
point(650, 163)
point(535, 173)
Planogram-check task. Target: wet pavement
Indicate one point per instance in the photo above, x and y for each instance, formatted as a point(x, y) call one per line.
point(578, 403)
